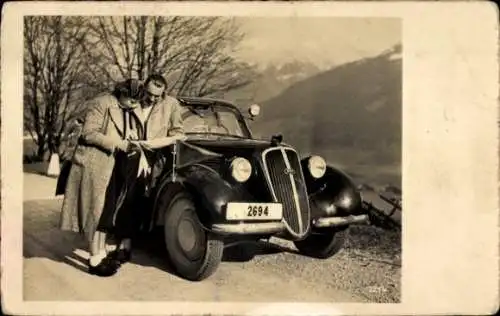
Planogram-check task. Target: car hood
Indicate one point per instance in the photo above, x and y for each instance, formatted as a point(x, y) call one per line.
point(232, 147)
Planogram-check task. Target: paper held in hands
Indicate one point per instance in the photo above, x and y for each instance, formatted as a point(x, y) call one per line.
point(144, 167)
point(161, 142)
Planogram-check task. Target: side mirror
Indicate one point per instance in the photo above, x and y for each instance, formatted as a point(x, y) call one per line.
point(254, 110)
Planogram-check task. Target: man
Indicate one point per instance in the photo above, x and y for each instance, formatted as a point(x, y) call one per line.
point(157, 118)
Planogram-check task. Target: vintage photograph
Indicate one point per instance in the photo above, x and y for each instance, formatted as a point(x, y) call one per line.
point(249, 158)
point(206, 158)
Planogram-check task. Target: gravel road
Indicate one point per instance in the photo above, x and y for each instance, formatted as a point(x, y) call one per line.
point(275, 274)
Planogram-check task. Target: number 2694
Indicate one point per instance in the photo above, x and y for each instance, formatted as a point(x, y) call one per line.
point(254, 211)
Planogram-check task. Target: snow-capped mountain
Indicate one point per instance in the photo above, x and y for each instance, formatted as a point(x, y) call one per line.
point(271, 80)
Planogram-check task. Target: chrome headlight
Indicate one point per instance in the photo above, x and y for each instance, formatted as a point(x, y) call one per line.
point(254, 110)
point(317, 166)
point(241, 169)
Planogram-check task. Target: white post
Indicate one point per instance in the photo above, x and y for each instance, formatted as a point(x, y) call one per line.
point(54, 169)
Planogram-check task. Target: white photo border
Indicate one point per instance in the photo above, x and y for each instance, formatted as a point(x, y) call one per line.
point(450, 155)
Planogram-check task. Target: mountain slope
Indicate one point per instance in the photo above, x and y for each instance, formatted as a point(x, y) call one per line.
point(272, 79)
point(351, 115)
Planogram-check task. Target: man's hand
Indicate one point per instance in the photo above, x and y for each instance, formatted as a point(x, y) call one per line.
point(144, 144)
point(180, 137)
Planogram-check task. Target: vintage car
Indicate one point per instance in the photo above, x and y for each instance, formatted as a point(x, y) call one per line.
point(223, 186)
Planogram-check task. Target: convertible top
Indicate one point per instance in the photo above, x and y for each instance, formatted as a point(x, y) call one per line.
point(187, 101)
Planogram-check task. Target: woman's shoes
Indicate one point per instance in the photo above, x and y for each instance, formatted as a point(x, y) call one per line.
point(106, 268)
point(111, 263)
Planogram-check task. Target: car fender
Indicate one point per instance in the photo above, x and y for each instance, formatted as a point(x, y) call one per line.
point(210, 191)
point(334, 194)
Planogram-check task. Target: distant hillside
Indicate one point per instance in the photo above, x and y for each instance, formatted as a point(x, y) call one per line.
point(350, 114)
point(272, 80)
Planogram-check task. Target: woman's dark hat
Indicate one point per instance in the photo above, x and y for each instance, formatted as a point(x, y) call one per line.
point(130, 88)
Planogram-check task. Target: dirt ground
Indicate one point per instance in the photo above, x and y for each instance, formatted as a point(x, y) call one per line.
point(367, 270)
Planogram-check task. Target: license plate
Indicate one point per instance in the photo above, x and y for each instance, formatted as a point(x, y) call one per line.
point(254, 211)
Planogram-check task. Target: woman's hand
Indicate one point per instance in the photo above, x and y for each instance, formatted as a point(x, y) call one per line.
point(128, 146)
point(122, 146)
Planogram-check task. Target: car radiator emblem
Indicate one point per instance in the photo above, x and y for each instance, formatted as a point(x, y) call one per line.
point(289, 171)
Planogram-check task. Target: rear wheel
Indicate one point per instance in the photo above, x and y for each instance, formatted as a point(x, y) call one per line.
point(193, 252)
point(322, 245)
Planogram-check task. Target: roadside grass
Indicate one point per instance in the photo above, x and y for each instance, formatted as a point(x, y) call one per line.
point(374, 243)
point(376, 250)
point(375, 254)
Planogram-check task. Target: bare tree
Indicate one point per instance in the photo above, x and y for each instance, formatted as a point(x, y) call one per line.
point(69, 58)
point(192, 52)
point(53, 67)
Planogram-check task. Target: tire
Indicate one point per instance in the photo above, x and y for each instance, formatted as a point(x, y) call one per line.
point(194, 253)
point(322, 245)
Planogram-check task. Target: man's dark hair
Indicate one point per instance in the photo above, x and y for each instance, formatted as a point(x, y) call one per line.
point(156, 78)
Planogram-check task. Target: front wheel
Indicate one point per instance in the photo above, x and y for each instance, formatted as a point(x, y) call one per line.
point(194, 253)
point(322, 245)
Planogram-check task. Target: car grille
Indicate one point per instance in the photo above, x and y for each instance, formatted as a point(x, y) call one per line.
point(288, 188)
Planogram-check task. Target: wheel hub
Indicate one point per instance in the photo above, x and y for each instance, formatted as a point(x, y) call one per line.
point(189, 237)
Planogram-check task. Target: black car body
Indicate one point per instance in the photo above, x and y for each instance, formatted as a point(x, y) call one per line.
point(222, 185)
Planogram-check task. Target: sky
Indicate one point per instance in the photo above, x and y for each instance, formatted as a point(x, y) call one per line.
point(326, 41)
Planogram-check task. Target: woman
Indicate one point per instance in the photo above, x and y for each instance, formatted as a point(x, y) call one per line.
point(102, 139)
point(126, 190)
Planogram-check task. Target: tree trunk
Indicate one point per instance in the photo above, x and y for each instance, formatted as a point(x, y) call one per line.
point(40, 154)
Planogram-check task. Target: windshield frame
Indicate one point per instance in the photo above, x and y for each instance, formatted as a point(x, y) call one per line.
point(216, 106)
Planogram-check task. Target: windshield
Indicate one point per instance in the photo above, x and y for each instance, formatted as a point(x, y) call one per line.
point(217, 121)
